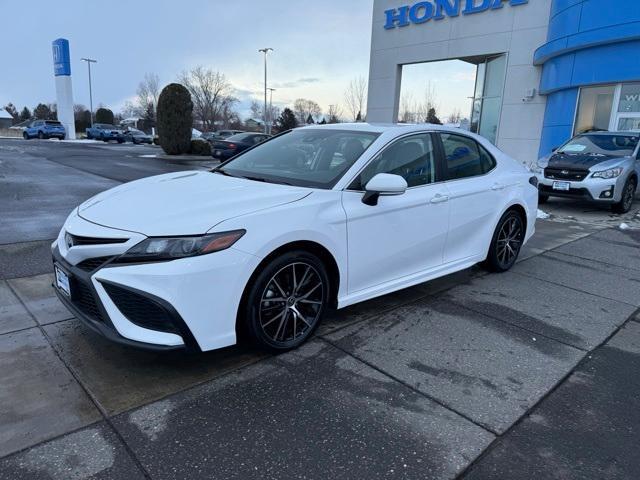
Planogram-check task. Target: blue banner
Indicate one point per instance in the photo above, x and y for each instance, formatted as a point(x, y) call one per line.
point(61, 60)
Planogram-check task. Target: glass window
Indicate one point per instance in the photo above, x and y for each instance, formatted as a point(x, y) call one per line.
point(594, 109)
point(412, 158)
point(487, 101)
point(626, 124)
point(465, 157)
point(630, 98)
point(309, 157)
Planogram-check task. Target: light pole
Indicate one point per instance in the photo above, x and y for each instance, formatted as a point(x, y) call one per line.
point(271, 90)
point(265, 51)
point(89, 62)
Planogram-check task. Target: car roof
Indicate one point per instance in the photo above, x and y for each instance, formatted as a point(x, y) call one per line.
point(627, 133)
point(399, 128)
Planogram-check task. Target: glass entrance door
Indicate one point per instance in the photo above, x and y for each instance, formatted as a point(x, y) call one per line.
point(487, 100)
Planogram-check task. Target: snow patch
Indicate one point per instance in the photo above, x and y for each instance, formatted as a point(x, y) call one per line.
point(624, 226)
point(541, 215)
point(151, 155)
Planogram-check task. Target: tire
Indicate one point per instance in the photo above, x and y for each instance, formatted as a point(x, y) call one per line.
point(61, 138)
point(628, 195)
point(542, 199)
point(41, 135)
point(506, 242)
point(288, 320)
point(120, 140)
point(25, 135)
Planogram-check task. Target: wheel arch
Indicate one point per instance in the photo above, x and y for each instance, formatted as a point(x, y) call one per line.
point(315, 248)
point(514, 206)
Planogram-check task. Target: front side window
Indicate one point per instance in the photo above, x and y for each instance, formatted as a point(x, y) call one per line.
point(465, 157)
point(307, 157)
point(412, 158)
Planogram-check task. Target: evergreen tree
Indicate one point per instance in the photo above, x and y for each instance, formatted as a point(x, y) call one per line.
point(25, 114)
point(175, 116)
point(11, 110)
point(324, 122)
point(432, 118)
point(310, 120)
point(43, 112)
point(104, 115)
point(286, 121)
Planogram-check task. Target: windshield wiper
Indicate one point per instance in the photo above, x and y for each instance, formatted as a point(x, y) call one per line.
point(265, 180)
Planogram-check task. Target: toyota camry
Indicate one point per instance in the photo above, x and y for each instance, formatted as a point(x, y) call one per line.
point(315, 218)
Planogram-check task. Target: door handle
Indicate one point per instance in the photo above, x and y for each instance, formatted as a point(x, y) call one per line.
point(439, 198)
point(498, 186)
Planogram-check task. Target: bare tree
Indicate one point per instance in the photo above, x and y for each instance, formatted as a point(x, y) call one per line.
point(455, 116)
point(256, 109)
point(210, 92)
point(407, 112)
point(148, 93)
point(335, 112)
point(355, 97)
point(129, 110)
point(304, 108)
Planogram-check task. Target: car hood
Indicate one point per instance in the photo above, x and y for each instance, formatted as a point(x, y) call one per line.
point(183, 203)
point(578, 161)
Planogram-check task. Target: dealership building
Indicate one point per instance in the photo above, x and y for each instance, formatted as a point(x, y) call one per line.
point(546, 69)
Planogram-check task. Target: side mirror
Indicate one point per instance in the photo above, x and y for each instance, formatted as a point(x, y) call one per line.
point(385, 184)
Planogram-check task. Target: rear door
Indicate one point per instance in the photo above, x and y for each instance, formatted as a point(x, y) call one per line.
point(475, 194)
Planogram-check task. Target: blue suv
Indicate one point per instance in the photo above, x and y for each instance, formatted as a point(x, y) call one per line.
point(44, 129)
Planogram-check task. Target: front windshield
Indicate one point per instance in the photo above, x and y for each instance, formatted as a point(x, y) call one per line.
point(600, 144)
point(308, 157)
point(105, 126)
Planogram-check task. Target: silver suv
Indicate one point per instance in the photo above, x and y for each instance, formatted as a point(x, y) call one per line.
point(600, 166)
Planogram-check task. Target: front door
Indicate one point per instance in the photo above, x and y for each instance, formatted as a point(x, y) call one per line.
point(401, 235)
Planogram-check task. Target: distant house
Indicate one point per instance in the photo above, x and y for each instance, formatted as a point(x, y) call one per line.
point(254, 124)
point(6, 120)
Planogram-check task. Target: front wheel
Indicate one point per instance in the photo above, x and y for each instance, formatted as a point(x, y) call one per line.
point(25, 136)
point(628, 195)
point(286, 301)
point(40, 135)
point(506, 242)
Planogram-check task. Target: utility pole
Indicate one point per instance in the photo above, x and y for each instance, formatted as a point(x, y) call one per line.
point(271, 90)
point(89, 62)
point(265, 51)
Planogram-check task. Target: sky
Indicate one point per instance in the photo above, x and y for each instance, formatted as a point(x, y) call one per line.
point(319, 47)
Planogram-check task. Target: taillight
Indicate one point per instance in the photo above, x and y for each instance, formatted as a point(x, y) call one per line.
point(232, 145)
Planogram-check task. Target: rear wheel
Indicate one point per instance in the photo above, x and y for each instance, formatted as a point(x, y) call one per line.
point(286, 301)
point(628, 195)
point(506, 242)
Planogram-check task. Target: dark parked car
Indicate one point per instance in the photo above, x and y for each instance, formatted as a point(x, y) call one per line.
point(224, 134)
point(137, 136)
point(105, 132)
point(44, 129)
point(235, 144)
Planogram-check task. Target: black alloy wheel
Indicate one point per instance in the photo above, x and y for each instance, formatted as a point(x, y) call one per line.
point(286, 301)
point(628, 196)
point(506, 242)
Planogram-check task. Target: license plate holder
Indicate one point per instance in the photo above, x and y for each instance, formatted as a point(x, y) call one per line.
point(562, 186)
point(62, 281)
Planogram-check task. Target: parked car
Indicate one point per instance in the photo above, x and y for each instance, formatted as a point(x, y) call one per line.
point(223, 134)
point(105, 132)
point(208, 136)
point(268, 241)
point(602, 167)
point(223, 149)
point(137, 136)
point(44, 129)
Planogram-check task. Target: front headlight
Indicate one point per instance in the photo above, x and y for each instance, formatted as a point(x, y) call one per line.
point(155, 249)
point(611, 173)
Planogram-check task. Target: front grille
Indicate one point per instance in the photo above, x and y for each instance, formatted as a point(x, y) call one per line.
point(91, 264)
point(77, 240)
point(565, 174)
point(141, 310)
point(82, 297)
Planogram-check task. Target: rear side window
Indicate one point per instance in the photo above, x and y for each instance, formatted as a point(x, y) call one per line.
point(465, 157)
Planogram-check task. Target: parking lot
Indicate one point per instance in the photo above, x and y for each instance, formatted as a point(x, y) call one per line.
point(532, 373)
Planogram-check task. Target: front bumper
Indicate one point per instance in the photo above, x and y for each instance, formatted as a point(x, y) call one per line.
point(606, 191)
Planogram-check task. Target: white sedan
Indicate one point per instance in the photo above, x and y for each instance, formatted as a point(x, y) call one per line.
point(319, 217)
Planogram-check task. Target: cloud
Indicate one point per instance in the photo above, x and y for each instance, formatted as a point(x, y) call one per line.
point(296, 83)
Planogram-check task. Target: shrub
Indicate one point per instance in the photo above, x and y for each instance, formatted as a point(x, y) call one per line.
point(104, 115)
point(174, 118)
point(200, 147)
